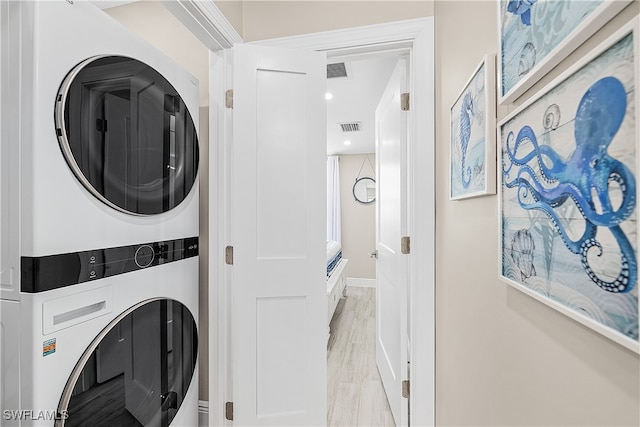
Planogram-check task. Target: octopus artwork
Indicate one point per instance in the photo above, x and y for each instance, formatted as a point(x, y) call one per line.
point(545, 181)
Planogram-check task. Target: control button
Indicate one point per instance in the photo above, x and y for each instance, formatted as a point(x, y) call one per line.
point(144, 256)
point(163, 251)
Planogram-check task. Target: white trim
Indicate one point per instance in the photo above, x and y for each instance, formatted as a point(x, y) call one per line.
point(357, 282)
point(221, 125)
point(391, 33)
point(206, 22)
point(418, 34)
point(203, 413)
point(421, 191)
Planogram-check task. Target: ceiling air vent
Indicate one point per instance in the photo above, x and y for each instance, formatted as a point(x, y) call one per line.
point(351, 126)
point(336, 70)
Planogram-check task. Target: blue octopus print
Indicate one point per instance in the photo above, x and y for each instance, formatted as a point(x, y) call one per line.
point(467, 112)
point(583, 178)
point(522, 8)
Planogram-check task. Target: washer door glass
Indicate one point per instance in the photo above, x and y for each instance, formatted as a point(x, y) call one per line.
point(127, 135)
point(137, 371)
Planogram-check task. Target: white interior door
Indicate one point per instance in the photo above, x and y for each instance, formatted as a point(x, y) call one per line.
point(143, 365)
point(279, 221)
point(391, 224)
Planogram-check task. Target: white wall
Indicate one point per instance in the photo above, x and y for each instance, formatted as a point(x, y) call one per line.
point(154, 23)
point(233, 11)
point(358, 220)
point(269, 19)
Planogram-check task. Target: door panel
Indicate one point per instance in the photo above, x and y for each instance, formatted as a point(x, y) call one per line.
point(144, 361)
point(391, 223)
point(280, 164)
point(278, 369)
point(279, 221)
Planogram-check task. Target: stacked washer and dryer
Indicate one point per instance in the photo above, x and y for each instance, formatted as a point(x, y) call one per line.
point(99, 223)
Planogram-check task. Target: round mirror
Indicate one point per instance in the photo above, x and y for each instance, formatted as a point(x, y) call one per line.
point(364, 190)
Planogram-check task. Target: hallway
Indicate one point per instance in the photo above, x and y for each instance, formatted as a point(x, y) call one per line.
point(356, 396)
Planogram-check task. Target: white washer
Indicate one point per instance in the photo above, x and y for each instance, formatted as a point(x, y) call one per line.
point(99, 223)
point(122, 351)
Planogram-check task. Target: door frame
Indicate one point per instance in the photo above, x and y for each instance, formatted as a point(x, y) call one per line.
point(419, 35)
point(208, 24)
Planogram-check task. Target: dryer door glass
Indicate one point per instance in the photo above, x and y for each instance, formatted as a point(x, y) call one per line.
point(127, 135)
point(137, 372)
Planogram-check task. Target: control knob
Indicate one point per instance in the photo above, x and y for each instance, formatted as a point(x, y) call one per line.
point(144, 256)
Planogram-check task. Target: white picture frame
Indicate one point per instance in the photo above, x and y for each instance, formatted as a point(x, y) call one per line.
point(553, 220)
point(472, 150)
point(527, 51)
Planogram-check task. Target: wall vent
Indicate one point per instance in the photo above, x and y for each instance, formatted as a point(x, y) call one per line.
point(351, 126)
point(336, 70)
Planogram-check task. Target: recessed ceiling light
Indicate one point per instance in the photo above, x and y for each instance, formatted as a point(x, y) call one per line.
point(347, 143)
point(328, 96)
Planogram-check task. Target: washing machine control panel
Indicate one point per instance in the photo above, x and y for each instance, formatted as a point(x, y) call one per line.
point(39, 274)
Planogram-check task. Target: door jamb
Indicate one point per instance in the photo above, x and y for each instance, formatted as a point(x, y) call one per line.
point(421, 193)
point(220, 214)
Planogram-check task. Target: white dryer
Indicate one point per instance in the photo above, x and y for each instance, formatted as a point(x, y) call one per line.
point(99, 223)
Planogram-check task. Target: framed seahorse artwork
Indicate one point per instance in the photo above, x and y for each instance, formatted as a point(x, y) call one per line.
point(472, 166)
point(568, 191)
point(535, 35)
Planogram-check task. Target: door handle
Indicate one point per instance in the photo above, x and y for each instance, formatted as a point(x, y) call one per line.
point(373, 254)
point(169, 400)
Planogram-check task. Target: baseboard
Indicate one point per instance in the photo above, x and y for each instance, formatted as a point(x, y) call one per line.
point(361, 283)
point(203, 413)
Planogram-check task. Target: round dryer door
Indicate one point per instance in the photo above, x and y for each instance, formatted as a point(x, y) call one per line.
point(127, 135)
point(136, 372)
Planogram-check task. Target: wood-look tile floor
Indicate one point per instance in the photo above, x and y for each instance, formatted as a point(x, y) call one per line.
point(102, 405)
point(356, 396)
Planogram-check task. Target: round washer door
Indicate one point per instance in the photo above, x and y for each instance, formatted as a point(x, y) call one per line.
point(127, 135)
point(136, 372)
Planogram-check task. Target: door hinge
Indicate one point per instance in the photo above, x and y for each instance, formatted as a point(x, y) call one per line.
point(404, 101)
point(405, 389)
point(405, 245)
point(228, 411)
point(228, 255)
point(228, 98)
